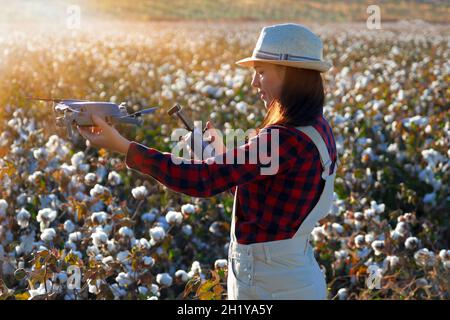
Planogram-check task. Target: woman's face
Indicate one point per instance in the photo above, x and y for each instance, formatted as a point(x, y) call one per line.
point(268, 79)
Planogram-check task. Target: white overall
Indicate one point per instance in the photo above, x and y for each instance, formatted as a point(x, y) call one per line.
point(282, 269)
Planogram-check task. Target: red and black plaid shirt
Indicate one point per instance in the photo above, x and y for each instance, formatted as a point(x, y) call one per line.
point(269, 207)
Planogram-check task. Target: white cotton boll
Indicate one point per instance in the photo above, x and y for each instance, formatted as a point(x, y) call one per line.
point(220, 263)
point(395, 235)
point(48, 234)
point(101, 173)
point(341, 254)
point(196, 268)
point(391, 261)
point(159, 251)
point(216, 228)
point(359, 216)
point(148, 261)
point(444, 254)
point(99, 257)
point(77, 159)
point(62, 277)
point(3, 208)
point(69, 226)
point(187, 229)
point(318, 234)
point(143, 290)
point(241, 107)
point(188, 208)
point(98, 190)
point(162, 222)
point(360, 241)
point(342, 294)
point(337, 227)
point(368, 238)
point(154, 289)
point(139, 193)
point(182, 275)
point(111, 245)
point(40, 290)
point(75, 236)
point(70, 246)
point(99, 238)
point(99, 217)
point(67, 170)
point(90, 179)
point(411, 243)
point(363, 253)
point(429, 197)
point(77, 253)
point(117, 291)
point(126, 232)
point(402, 228)
point(378, 246)
point(35, 176)
point(22, 199)
point(46, 215)
point(424, 257)
point(144, 243)
point(92, 251)
point(23, 218)
point(124, 256)
point(378, 208)
point(123, 279)
point(174, 217)
point(422, 283)
point(157, 233)
point(98, 206)
point(164, 279)
point(148, 217)
point(108, 259)
point(114, 178)
point(80, 196)
point(369, 213)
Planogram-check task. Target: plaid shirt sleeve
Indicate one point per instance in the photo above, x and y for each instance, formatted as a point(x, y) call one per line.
point(209, 177)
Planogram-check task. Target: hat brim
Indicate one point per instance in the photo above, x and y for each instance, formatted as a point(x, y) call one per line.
point(321, 66)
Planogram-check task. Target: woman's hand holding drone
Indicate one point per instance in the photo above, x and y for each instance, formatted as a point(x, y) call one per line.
point(104, 136)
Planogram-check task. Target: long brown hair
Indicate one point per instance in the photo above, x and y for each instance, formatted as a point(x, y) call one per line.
point(301, 99)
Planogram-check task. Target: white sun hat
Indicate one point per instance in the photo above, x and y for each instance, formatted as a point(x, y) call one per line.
point(288, 44)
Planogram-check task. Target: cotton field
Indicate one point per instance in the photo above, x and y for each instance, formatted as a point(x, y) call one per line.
point(75, 223)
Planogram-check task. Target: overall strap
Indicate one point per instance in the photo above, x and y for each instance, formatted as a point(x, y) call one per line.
point(323, 206)
point(233, 218)
point(317, 139)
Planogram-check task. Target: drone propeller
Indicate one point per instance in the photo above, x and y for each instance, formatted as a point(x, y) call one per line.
point(54, 100)
point(141, 112)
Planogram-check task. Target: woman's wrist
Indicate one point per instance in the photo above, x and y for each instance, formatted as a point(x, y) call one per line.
point(125, 144)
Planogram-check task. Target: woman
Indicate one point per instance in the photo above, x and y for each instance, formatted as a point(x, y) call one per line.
point(273, 214)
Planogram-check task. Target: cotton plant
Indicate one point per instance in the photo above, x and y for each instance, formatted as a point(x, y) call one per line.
point(390, 188)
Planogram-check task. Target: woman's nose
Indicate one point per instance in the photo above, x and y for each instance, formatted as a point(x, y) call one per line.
point(255, 81)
